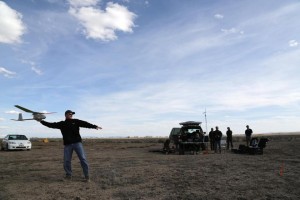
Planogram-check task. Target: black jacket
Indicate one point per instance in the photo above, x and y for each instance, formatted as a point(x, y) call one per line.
point(69, 129)
point(218, 135)
point(229, 134)
point(248, 132)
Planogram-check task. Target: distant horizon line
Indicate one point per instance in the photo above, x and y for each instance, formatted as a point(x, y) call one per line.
point(141, 137)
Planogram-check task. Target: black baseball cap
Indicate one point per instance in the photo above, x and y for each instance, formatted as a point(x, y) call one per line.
point(69, 111)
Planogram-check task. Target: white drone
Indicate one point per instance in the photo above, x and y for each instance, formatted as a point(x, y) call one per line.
point(36, 115)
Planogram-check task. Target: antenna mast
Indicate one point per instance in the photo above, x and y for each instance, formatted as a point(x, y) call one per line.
point(205, 120)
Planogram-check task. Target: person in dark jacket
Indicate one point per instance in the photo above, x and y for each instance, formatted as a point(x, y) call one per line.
point(248, 133)
point(212, 139)
point(229, 138)
point(217, 137)
point(72, 141)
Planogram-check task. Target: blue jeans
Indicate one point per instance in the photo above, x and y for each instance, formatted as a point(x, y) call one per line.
point(68, 151)
point(218, 146)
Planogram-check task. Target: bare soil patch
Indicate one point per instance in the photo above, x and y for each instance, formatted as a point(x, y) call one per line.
point(125, 169)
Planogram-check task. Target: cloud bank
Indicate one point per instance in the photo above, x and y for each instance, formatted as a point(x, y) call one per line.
point(6, 73)
point(11, 25)
point(102, 24)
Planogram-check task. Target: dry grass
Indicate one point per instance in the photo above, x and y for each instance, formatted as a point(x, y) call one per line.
point(125, 169)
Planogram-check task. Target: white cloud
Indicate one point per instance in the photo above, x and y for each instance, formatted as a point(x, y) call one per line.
point(83, 3)
point(33, 67)
point(102, 25)
point(12, 112)
point(153, 109)
point(11, 25)
point(152, 101)
point(6, 72)
point(36, 70)
point(232, 31)
point(218, 16)
point(293, 43)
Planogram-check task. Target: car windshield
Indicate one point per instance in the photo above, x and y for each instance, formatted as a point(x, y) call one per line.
point(17, 137)
point(192, 130)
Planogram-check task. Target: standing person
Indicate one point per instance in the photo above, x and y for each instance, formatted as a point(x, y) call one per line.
point(248, 133)
point(72, 141)
point(229, 138)
point(212, 139)
point(217, 138)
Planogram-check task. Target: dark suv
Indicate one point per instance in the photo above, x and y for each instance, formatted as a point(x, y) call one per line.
point(190, 137)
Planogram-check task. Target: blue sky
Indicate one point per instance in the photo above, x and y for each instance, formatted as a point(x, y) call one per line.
point(138, 68)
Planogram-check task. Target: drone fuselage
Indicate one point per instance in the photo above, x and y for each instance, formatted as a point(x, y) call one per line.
point(38, 116)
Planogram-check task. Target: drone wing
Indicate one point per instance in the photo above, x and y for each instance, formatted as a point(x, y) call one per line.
point(25, 109)
point(33, 112)
point(47, 112)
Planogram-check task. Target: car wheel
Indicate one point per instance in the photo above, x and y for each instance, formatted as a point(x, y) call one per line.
point(181, 151)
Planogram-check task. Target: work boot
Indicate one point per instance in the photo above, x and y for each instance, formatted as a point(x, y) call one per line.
point(87, 179)
point(68, 178)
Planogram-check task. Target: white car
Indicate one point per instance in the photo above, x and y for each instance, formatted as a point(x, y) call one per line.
point(15, 142)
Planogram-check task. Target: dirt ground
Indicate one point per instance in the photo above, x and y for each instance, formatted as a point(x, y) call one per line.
point(126, 169)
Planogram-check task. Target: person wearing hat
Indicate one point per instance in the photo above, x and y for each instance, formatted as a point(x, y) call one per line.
point(248, 133)
point(217, 138)
point(72, 141)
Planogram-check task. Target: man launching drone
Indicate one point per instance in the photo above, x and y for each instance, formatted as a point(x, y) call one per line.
point(72, 141)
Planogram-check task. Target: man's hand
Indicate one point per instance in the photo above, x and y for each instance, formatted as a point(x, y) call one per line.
point(98, 127)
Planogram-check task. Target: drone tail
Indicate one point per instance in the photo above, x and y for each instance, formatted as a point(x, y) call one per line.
point(20, 118)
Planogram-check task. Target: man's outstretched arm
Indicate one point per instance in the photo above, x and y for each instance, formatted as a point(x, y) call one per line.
point(87, 124)
point(51, 125)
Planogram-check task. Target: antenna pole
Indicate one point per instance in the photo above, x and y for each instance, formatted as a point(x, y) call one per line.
point(205, 120)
